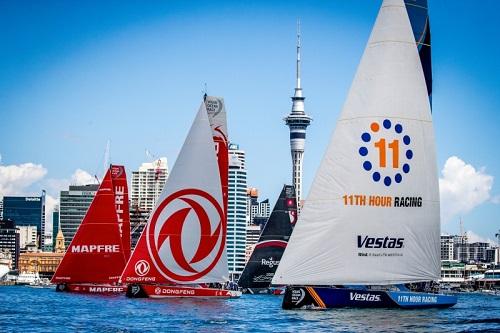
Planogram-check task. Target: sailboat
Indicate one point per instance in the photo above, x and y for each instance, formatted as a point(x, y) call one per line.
point(101, 246)
point(182, 250)
point(369, 232)
point(260, 268)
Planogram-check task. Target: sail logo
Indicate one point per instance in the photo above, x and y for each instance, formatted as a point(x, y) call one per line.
point(386, 152)
point(119, 200)
point(364, 297)
point(269, 262)
point(101, 248)
point(141, 267)
point(186, 236)
point(213, 105)
point(380, 242)
point(116, 171)
point(298, 295)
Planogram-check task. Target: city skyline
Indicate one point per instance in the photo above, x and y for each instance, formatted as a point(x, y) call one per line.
point(71, 82)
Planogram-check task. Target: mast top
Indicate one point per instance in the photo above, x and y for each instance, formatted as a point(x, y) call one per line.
point(298, 57)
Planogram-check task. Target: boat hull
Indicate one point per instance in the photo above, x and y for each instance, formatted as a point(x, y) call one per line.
point(165, 291)
point(303, 297)
point(91, 288)
point(264, 291)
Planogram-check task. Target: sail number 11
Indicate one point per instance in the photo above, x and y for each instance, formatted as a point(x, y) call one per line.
point(394, 146)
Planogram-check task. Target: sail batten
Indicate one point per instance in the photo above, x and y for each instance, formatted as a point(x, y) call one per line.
point(372, 214)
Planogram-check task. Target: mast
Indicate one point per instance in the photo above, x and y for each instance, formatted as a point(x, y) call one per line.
point(298, 121)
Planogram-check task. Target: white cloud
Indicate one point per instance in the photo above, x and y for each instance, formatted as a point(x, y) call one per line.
point(29, 178)
point(473, 237)
point(82, 177)
point(462, 188)
point(15, 179)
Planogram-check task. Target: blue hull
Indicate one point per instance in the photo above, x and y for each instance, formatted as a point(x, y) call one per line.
point(303, 297)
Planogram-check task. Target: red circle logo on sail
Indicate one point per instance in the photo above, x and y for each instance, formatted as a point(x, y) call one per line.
point(141, 267)
point(177, 251)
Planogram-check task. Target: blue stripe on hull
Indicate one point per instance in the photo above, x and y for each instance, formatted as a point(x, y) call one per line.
point(325, 297)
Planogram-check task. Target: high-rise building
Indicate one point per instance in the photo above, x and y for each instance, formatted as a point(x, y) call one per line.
point(236, 213)
point(73, 206)
point(27, 236)
point(447, 247)
point(256, 210)
point(147, 184)
point(252, 237)
point(477, 251)
point(297, 121)
point(9, 240)
point(55, 225)
point(26, 211)
point(1, 209)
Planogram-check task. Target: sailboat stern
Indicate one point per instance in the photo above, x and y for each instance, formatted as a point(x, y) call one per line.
point(136, 291)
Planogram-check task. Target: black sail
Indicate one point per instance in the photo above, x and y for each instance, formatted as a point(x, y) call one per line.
point(419, 19)
point(266, 256)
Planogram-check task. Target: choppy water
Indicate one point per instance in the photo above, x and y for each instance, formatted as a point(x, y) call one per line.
point(25, 309)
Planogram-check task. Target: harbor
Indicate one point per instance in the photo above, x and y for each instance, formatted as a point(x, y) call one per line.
point(393, 229)
point(251, 313)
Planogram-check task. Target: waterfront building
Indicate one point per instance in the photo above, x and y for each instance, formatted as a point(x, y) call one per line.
point(452, 272)
point(9, 240)
point(55, 225)
point(256, 209)
point(297, 121)
point(147, 183)
point(477, 251)
point(59, 246)
point(26, 211)
point(252, 237)
point(236, 213)
point(73, 206)
point(493, 255)
point(43, 263)
point(447, 246)
point(27, 237)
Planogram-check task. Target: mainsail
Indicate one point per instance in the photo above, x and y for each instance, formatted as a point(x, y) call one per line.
point(372, 214)
point(184, 239)
point(273, 239)
point(100, 248)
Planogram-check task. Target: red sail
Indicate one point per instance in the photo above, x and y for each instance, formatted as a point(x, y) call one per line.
point(96, 253)
point(120, 189)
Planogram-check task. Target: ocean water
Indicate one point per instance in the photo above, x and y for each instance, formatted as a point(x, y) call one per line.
point(25, 309)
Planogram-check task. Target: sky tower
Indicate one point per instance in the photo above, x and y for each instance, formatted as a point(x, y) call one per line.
point(297, 121)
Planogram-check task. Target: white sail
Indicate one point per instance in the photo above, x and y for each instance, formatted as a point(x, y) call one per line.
point(192, 204)
point(372, 214)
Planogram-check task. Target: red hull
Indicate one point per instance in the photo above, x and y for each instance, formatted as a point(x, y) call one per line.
point(158, 291)
point(91, 288)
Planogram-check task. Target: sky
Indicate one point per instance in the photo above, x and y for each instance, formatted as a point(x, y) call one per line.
point(74, 75)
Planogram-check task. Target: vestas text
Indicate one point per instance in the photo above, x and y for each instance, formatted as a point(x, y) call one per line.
point(380, 242)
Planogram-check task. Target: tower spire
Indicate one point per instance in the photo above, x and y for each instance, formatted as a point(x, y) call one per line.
point(297, 88)
point(297, 121)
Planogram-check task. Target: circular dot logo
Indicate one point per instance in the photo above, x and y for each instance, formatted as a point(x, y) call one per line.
point(141, 267)
point(186, 236)
point(386, 152)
